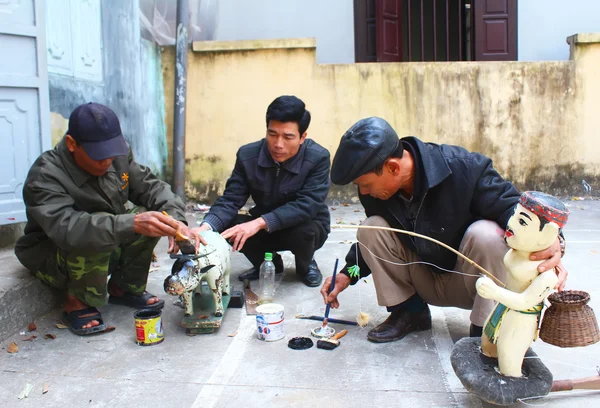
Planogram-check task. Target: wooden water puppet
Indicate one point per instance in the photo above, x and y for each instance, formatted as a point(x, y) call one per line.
point(495, 371)
point(202, 282)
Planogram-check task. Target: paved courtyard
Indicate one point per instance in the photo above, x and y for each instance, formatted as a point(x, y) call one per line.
point(232, 368)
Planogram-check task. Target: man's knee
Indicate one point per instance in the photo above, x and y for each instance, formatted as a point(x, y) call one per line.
point(366, 234)
point(301, 236)
point(484, 235)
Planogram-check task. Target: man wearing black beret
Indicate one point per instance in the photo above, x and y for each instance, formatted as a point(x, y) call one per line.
point(441, 191)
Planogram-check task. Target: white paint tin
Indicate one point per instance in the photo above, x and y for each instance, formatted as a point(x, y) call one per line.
point(269, 322)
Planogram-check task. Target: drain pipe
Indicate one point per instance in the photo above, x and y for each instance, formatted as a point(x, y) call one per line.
point(181, 50)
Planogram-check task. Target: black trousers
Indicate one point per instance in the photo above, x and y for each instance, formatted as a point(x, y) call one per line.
point(302, 240)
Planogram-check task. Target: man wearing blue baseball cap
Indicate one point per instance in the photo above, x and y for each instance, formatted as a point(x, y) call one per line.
point(440, 191)
point(80, 228)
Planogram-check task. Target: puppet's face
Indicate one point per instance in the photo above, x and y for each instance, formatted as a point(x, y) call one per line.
point(523, 231)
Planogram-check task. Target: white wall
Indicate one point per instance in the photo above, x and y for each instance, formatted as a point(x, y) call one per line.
point(331, 22)
point(545, 25)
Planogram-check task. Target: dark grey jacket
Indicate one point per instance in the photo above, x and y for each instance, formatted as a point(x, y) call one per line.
point(285, 195)
point(70, 209)
point(456, 188)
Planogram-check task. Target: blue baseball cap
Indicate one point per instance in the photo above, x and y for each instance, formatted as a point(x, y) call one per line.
point(96, 128)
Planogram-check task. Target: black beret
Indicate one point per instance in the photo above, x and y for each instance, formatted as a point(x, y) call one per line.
point(366, 145)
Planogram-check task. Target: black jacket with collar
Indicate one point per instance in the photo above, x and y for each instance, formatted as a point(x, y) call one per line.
point(285, 195)
point(457, 188)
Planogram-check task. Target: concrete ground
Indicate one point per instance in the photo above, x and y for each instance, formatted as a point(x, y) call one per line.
point(233, 367)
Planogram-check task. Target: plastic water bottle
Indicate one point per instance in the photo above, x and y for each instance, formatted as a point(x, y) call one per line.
point(267, 280)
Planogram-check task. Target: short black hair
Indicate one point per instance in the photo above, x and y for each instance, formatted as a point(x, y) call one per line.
point(288, 108)
point(398, 153)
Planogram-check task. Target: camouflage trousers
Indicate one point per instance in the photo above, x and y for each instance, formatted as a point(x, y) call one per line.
point(85, 276)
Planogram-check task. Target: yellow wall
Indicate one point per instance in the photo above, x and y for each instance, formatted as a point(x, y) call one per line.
point(538, 121)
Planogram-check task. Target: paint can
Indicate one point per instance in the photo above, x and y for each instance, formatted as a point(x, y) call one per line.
point(269, 322)
point(148, 327)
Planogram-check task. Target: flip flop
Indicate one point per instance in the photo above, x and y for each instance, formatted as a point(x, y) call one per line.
point(137, 302)
point(75, 321)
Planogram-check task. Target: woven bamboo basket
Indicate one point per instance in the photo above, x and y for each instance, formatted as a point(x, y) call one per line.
point(569, 321)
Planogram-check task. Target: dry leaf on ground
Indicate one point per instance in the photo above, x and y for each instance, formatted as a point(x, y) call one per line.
point(50, 336)
point(31, 326)
point(13, 348)
point(346, 204)
point(61, 326)
point(45, 388)
point(232, 334)
point(30, 338)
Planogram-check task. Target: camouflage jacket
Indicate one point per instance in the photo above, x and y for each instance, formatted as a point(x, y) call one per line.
point(70, 209)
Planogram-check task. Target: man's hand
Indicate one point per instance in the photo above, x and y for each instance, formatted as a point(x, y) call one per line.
point(342, 281)
point(241, 232)
point(552, 257)
point(191, 233)
point(154, 224)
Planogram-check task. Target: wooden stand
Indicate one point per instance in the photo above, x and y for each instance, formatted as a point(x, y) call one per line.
point(203, 320)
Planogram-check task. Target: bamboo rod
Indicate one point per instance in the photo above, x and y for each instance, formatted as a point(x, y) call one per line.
point(414, 234)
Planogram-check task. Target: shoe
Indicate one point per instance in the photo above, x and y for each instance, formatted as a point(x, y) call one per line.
point(254, 273)
point(475, 331)
point(398, 324)
point(313, 277)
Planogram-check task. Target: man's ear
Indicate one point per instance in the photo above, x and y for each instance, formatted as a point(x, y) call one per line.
point(303, 137)
point(71, 143)
point(393, 165)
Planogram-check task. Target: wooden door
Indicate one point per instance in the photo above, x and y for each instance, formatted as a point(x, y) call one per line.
point(388, 24)
point(365, 35)
point(495, 27)
point(24, 103)
point(378, 30)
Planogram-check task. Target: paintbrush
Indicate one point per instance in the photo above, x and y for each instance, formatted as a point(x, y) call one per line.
point(330, 344)
point(326, 319)
point(186, 245)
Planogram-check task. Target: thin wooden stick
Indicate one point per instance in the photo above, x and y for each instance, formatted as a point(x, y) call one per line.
point(414, 234)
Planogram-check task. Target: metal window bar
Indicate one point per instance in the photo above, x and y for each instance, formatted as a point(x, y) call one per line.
point(409, 33)
point(434, 32)
point(422, 35)
point(447, 32)
point(460, 29)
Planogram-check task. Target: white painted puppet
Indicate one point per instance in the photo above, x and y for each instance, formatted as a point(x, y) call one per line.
point(213, 265)
point(513, 324)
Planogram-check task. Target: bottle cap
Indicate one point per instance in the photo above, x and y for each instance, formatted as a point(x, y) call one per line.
point(268, 256)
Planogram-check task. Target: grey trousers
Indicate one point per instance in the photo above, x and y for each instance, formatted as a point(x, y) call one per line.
point(483, 243)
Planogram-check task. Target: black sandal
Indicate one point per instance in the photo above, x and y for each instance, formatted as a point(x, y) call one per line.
point(137, 302)
point(75, 321)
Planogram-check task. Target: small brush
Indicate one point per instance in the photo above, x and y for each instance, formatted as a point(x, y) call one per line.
point(328, 308)
point(330, 344)
point(186, 245)
point(324, 330)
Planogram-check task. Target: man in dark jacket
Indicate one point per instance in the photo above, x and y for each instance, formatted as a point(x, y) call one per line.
point(441, 191)
point(287, 176)
point(79, 229)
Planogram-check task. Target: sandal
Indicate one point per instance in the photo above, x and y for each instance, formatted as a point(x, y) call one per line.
point(75, 321)
point(137, 302)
